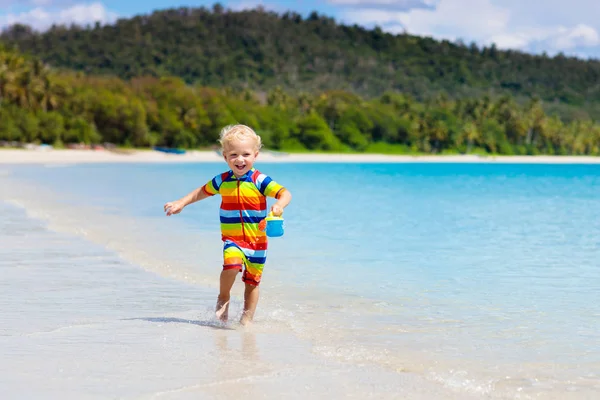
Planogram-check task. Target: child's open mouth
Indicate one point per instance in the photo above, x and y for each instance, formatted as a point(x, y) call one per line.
point(240, 167)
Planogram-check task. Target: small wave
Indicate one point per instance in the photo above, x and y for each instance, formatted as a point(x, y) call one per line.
point(136, 240)
point(62, 328)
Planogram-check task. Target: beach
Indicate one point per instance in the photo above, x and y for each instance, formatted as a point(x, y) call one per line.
point(13, 156)
point(449, 278)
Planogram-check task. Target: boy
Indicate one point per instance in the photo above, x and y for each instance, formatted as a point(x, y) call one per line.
point(243, 209)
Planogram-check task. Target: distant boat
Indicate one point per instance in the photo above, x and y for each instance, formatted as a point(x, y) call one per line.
point(169, 150)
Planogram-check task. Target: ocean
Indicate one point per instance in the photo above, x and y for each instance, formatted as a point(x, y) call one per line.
point(416, 280)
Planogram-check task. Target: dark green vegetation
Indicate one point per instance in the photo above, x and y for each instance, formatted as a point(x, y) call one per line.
point(301, 83)
point(262, 50)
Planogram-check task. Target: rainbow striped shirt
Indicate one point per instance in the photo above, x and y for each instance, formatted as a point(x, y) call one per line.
point(243, 205)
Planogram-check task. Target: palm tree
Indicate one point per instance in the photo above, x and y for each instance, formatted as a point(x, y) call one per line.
point(305, 103)
point(49, 99)
point(10, 66)
point(470, 134)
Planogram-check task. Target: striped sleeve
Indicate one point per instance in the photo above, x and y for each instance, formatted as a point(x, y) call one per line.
point(212, 187)
point(268, 187)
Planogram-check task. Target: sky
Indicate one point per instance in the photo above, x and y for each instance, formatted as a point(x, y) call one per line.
point(535, 26)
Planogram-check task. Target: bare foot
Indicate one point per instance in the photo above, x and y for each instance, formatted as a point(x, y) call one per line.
point(221, 312)
point(246, 319)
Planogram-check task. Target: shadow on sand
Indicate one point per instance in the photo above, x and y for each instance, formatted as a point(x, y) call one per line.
point(168, 320)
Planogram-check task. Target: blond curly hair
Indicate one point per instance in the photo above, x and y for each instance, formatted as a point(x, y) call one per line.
point(238, 132)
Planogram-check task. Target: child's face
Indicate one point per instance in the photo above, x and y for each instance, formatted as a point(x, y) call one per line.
point(240, 155)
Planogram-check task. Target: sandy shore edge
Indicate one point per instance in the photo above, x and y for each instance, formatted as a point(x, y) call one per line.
point(13, 156)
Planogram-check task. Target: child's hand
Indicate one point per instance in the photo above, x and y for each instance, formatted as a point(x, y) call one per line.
point(174, 207)
point(277, 210)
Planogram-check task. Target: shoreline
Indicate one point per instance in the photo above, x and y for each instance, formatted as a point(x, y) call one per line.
point(18, 156)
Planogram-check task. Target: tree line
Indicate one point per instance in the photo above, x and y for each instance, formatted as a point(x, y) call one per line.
point(40, 105)
point(262, 50)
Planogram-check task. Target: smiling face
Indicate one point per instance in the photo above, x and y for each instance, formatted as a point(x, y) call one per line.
point(240, 155)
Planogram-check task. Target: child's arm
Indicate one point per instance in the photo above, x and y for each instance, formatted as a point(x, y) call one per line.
point(175, 207)
point(281, 203)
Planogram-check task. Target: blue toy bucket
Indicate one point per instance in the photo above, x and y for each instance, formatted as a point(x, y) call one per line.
point(274, 226)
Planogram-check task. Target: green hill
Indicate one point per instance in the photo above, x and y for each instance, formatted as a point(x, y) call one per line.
point(260, 50)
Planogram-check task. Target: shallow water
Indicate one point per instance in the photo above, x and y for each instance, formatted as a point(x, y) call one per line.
point(470, 280)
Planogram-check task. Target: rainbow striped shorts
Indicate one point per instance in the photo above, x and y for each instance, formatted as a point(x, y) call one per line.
point(248, 261)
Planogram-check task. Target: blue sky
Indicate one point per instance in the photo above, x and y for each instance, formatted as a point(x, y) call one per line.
point(553, 26)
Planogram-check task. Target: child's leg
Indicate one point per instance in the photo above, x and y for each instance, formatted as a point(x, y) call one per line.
point(251, 277)
point(250, 302)
point(233, 261)
point(227, 280)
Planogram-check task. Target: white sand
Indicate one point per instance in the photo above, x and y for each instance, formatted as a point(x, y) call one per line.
point(10, 156)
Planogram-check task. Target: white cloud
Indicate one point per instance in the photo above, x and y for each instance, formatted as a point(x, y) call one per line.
point(516, 24)
point(552, 40)
point(519, 39)
point(510, 41)
point(551, 12)
point(450, 19)
point(42, 18)
point(580, 36)
point(386, 4)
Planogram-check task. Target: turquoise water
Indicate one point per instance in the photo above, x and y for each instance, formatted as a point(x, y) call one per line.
point(484, 277)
